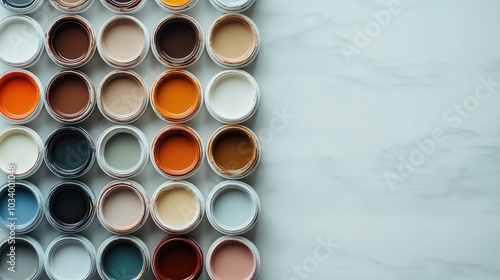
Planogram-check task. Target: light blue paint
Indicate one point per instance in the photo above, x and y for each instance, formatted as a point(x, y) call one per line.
point(26, 204)
point(232, 208)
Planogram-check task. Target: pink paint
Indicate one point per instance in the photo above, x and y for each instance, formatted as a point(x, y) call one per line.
point(233, 259)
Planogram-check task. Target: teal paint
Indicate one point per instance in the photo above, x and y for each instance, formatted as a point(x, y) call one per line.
point(122, 261)
point(70, 151)
point(27, 206)
point(232, 207)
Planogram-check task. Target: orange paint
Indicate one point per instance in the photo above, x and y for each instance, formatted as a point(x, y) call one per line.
point(177, 150)
point(176, 3)
point(176, 96)
point(19, 95)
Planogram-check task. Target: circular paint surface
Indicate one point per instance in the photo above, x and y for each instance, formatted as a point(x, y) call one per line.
point(177, 207)
point(233, 150)
point(122, 95)
point(122, 261)
point(68, 4)
point(177, 96)
point(70, 40)
point(176, 153)
point(70, 205)
point(233, 96)
point(70, 260)
point(176, 38)
point(123, 40)
point(233, 39)
point(19, 95)
point(19, 3)
point(122, 151)
point(19, 41)
point(122, 208)
point(177, 260)
point(231, 260)
point(176, 3)
point(68, 95)
point(69, 150)
point(27, 206)
point(232, 208)
point(26, 257)
point(19, 148)
point(232, 3)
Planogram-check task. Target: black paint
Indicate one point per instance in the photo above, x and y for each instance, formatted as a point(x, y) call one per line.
point(70, 205)
point(69, 152)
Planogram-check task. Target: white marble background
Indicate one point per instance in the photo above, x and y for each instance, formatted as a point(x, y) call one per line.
point(352, 91)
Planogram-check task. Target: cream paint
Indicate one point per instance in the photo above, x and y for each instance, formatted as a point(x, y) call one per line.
point(177, 207)
point(20, 149)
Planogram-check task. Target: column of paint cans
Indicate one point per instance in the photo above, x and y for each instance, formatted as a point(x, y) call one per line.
point(233, 151)
point(177, 206)
point(123, 150)
point(21, 147)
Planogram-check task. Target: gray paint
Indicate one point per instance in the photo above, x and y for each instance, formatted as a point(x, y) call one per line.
point(26, 262)
point(122, 151)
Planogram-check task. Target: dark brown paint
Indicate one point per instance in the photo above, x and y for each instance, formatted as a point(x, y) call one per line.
point(68, 94)
point(69, 39)
point(178, 258)
point(177, 38)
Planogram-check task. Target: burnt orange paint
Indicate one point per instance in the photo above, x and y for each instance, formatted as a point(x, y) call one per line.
point(19, 95)
point(177, 150)
point(176, 95)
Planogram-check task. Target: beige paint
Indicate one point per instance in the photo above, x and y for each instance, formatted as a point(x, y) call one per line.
point(122, 208)
point(233, 39)
point(71, 3)
point(123, 40)
point(122, 95)
point(177, 207)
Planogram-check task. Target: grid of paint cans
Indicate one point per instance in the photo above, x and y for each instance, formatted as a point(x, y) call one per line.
point(123, 206)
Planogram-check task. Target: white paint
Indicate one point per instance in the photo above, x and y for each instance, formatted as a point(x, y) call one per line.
point(233, 3)
point(19, 40)
point(70, 261)
point(232, 96)
point(19, 148)
point(232, 6)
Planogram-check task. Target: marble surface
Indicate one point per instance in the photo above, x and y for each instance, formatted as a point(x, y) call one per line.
point(381, 155)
